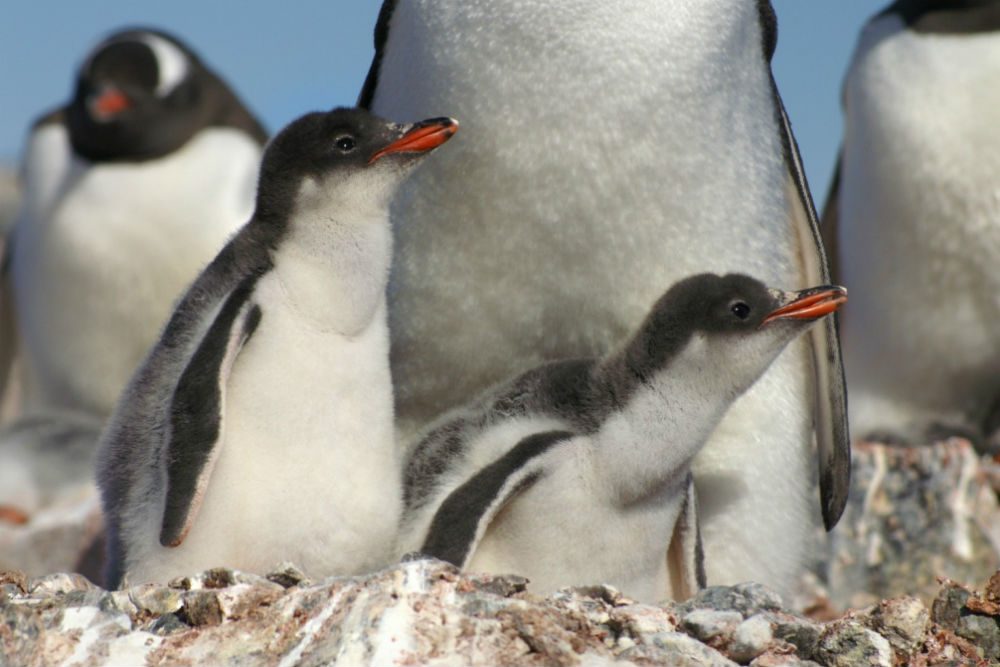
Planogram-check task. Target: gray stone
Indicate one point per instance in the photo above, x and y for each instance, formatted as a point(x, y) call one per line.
point(709, 625)
point(201, 607)
point(750, 638)
point(983, 632)
point(850, 644)
point(949, 605)
point(155, 600)
point(678, 650)
point(167, 624)
point(801, 633)
point(288, 575)
point(903, 622)
point(771, 659)
point(61, 583)
point(747, 599)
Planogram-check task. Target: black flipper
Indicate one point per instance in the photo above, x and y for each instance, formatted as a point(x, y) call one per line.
point(197, 410)
point(365, 99)
point(462, 519)
point(832, 435)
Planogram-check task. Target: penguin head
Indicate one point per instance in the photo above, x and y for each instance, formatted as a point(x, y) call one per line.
point(726, 330)
point(142, 94)
point(347, 159)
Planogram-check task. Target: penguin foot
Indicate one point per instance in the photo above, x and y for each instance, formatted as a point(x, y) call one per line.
point(13, 515)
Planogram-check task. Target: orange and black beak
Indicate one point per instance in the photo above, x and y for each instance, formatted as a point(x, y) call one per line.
point(421, 137)
point(810, 304)
point(108, 103)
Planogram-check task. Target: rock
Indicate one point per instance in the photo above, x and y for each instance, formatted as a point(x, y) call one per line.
point(676, 649)
point(914, 514)
point(903, 622)
point(850, 644)
point(746, 599)
point(750, 639)
point(983, 632)
point(60, 584)
point(709, 625)
point(155, 600)
point(801, 633)
point(949, 604)
point(202, 607)
point(770, 659)
point(426, 612)
point(288, 575)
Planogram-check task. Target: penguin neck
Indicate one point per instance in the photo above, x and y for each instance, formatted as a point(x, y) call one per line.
point(662, 417)
point(333, 270)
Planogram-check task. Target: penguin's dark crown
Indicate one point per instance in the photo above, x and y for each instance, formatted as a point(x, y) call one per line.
point(727, 305)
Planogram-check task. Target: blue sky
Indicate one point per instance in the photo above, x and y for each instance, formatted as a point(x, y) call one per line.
point(295, 57)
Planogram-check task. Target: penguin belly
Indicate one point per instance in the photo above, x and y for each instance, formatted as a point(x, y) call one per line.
point(307, 470)
point(565, 530)
point(659, 157)
point(96, 276)
point(918, 232)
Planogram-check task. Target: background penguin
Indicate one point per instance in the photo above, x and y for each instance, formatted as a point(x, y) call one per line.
point(612, 148)
point(129, 190)
point(914, 211)
point(268, 396)
point(577, 472)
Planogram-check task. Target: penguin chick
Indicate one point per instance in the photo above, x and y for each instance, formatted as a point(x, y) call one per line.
point(913, 215)
point(260, 426)
point(577, 472)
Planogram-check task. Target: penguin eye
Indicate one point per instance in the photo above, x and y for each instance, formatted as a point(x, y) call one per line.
point(740, 310)
point(346, 143)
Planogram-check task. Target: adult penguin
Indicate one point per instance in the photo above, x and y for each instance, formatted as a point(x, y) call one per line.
point(611, 149)
point(913, 213)
point(128, 190)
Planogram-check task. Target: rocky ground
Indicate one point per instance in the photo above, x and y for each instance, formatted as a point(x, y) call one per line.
point(426, 613)
point(920, 533)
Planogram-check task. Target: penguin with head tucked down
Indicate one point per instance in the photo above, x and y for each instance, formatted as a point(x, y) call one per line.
point(913, 214)
point(578, 472)
point(260, 426)
point(610, 149)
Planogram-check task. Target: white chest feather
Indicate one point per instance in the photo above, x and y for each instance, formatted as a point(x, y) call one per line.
point(102, 251)
point(660, 156)
point(920, 204)
point(307, 470)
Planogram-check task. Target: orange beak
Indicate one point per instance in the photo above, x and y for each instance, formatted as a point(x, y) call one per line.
point(810, 304)
point(422, 137)
point(109, 103)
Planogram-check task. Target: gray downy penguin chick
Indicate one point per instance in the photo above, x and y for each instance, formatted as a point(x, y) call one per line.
point(129, 190)
point(260, 426)
point(913, 214)
point(578, 472)
point(614, 147)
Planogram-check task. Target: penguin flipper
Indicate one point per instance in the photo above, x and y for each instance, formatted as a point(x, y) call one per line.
point(832, 436)
point(462, 519)
point(686, 555)
point(196, 413)
point(367, 94)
